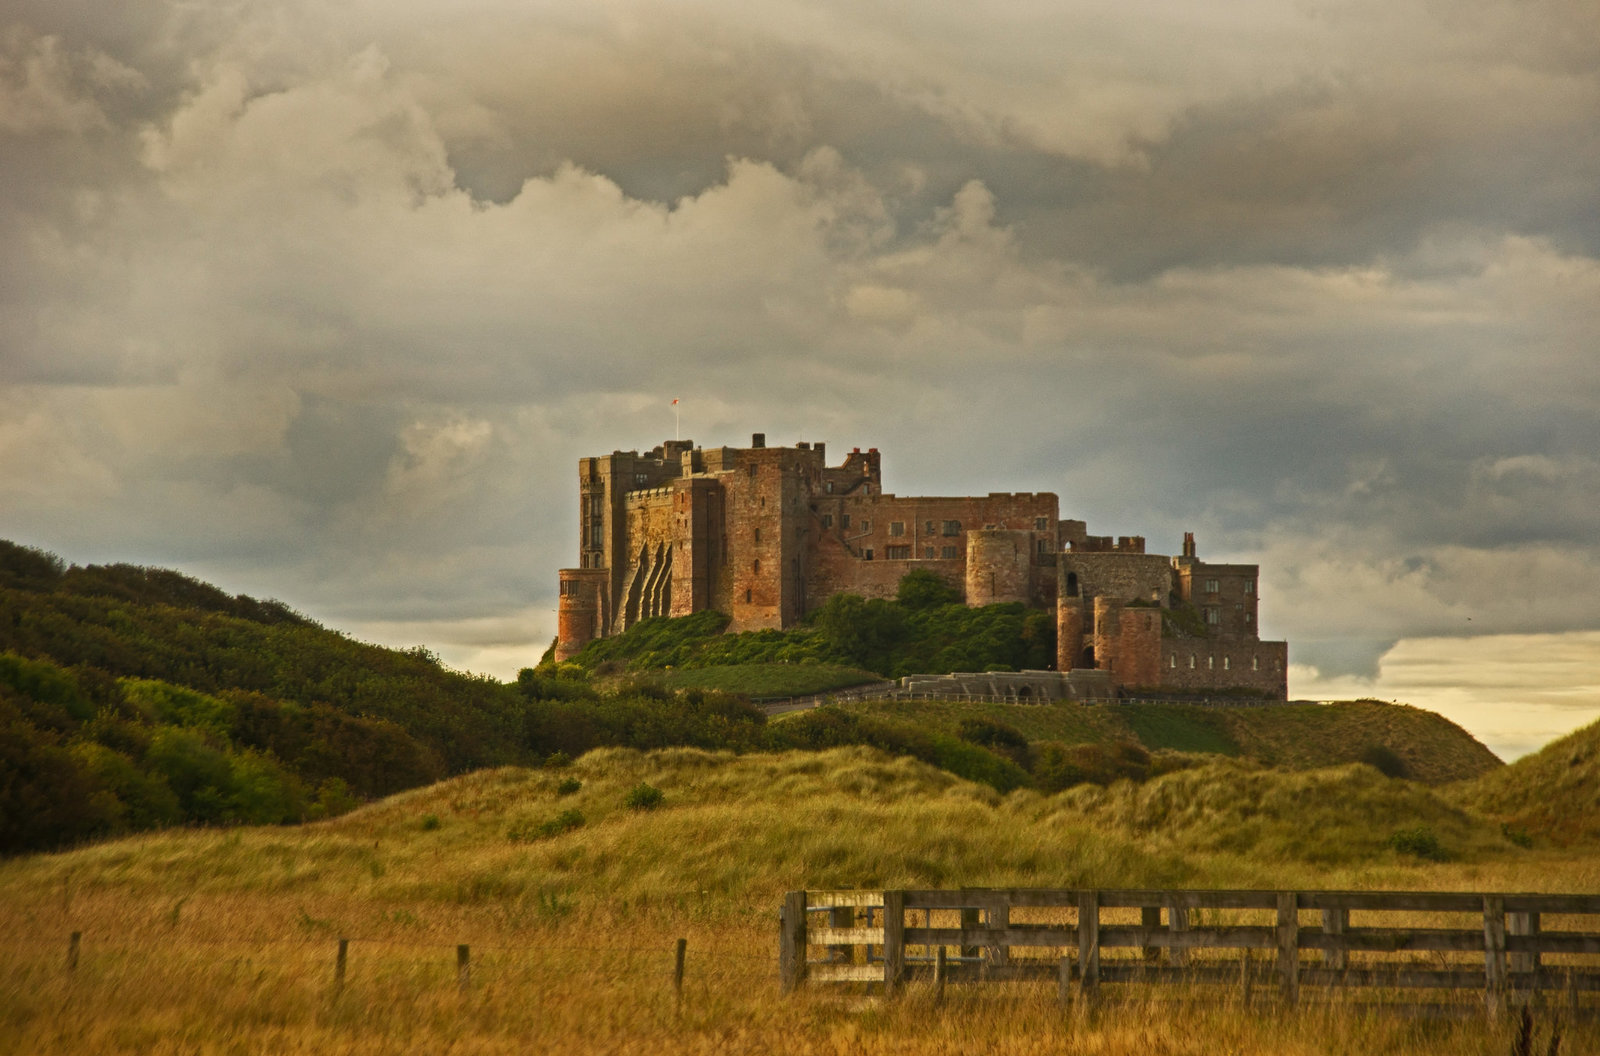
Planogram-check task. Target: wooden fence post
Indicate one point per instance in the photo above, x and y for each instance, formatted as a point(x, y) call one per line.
point(677, 970)
point(1494, 954)
point(1177, 922)
point(338, 965)
point(1334, 921)
point(1524, 925)
point(1150, 921)
point(939, 969)
point(999, 913)
point(1088, 942)
point(792, 941)
point(971, 917)
point(894, 941)
point(463, 967)
point(1289, 946)
point(1064, 980)
point(72, 951)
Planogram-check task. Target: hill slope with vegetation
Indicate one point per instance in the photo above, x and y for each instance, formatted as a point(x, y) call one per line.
point(134, 698)
point(1552, 794)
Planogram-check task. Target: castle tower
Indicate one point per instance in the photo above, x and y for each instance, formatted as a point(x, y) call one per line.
point(999, 566)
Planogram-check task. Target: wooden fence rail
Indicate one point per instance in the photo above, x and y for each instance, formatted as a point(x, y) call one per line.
point(1496, 943)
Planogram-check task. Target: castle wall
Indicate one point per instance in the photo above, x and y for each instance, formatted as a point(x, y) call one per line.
point(864, 543)
point(1200, 664)
point(1112, 574)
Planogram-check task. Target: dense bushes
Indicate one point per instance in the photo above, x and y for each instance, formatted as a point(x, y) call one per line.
point(925, 630)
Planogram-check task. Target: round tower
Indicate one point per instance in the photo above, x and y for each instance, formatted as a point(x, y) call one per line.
point(578, 611)
point(999, 566)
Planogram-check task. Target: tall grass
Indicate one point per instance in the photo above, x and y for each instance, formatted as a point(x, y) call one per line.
point(203, 941)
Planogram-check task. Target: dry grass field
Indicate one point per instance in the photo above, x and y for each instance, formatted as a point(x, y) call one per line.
point(210, 941)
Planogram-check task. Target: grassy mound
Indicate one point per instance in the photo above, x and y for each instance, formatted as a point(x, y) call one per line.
point(734, 831)
point(1402, 741)
point(572, 885)
point(1553, 794)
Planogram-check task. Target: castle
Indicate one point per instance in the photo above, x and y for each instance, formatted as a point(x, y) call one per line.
point(767, 534)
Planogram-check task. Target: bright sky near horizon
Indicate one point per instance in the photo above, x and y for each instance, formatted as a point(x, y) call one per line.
point(322, 301)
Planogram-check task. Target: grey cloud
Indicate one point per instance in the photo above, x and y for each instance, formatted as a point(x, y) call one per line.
point(328, 303)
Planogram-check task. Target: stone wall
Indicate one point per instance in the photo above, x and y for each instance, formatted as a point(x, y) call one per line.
point(1124, 576)
point(1200, 664)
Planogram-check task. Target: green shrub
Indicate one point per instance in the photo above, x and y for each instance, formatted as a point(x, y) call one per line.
point(430, 822)
point(557, 760)
point(643, 797)
point(568, 787)
point(566, 821)
point(1383, 759)
point(1419, 841)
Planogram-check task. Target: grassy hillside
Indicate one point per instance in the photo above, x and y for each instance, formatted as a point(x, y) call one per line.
point(1553, 794)
point(1408, 741)
point(212, 942)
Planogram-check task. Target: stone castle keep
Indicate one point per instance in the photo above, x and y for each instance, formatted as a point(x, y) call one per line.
point(767, 534)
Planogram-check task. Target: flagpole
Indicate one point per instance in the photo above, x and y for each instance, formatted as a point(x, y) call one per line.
point(677, 421)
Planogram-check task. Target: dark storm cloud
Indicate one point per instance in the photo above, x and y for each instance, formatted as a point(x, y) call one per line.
point(324, 299)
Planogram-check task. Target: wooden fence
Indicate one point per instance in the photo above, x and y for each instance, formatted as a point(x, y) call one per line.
point(1499, 944)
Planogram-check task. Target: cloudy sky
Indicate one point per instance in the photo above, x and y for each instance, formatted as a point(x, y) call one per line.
point(322, 299)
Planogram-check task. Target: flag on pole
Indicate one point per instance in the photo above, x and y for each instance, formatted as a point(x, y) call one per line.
point(674, 403)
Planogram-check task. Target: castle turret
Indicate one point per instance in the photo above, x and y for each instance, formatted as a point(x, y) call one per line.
point(999, 566)
point(580, 615)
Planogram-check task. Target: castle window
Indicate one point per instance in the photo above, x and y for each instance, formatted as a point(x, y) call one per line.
point(951, 528)
point(927, 527)
point(1249, 586)
point(1211, 663)
point(747, 595)
point(1044, 546)
point(827, 520)
point(897, 528)
point(1213, 616)
point(949, 553)
point(897, 553)
point(1255, 663)
point(927, 552)
point(1212, 586)
point(869, 555)
point(757, 537)
point(1172, 661)
point(1191, 655)
point(866, 526)
point(641, 479)
point(1247, 619)
point(829, 487)
point(1041, 524)
point(756, 566)
point(844, 520)
point(1226, 663)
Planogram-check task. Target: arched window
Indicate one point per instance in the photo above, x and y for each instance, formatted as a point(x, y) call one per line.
point(1072, 584)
